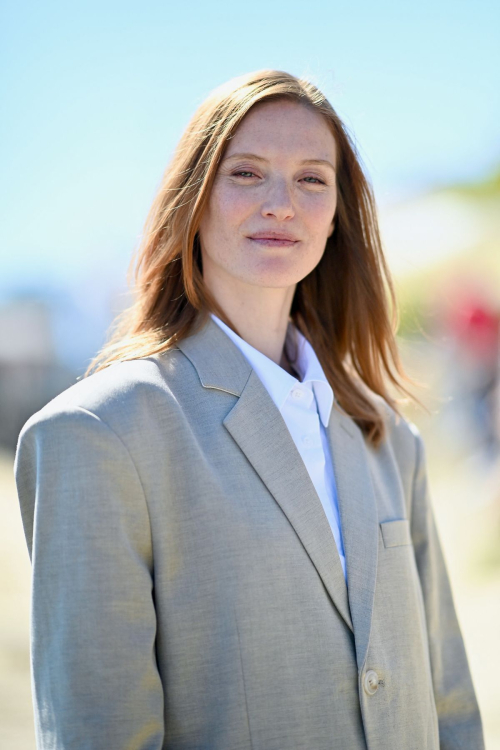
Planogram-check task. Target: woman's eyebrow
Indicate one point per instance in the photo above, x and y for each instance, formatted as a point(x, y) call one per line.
point(323, 162)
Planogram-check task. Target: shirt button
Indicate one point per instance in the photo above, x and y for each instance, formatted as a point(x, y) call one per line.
point(297, 393)
point(307, 440)
point(370, 682)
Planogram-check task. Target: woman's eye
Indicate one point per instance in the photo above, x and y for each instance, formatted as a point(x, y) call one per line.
point(318, 181)
point(235, 174)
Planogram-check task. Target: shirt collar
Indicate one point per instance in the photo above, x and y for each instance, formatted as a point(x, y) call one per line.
point(311, 372)
point(277, 381)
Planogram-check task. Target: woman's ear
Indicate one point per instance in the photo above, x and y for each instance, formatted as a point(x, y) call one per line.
point(332, 227)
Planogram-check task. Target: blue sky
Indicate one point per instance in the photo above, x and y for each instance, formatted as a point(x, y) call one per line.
point(96, 95)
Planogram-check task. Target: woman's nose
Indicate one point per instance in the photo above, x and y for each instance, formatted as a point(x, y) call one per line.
point(278, 200)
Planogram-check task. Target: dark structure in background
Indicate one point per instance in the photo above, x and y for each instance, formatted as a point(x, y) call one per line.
point(30, 371)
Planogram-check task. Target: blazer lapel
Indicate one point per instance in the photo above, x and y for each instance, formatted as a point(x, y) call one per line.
point(258, 428)
point(359, 521)
point(260, 431)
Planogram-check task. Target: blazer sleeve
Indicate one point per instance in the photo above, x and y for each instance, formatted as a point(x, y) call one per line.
point(458, 714)
point(95, 680)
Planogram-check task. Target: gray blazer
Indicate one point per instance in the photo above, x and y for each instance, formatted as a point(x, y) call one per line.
point(187, 590)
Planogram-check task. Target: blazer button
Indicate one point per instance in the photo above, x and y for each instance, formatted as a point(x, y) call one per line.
point(370, 682)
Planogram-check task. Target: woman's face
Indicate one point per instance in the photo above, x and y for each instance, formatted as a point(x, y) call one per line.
point(277, 176)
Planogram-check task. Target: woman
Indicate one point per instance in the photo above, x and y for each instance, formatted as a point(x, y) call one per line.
point(229, 525)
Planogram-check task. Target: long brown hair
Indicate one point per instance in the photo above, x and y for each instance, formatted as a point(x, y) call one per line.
point(345, 307)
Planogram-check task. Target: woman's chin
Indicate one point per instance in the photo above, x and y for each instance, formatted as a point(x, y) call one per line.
point(275, 273)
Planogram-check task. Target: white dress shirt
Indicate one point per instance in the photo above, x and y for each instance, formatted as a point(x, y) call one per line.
point(305, 406)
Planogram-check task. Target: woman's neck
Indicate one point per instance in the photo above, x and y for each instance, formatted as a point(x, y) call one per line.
point(261, 318)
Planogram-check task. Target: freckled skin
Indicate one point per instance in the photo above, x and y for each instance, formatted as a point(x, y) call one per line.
point(279, 194)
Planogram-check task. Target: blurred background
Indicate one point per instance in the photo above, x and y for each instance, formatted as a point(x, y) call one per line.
point(97, 94)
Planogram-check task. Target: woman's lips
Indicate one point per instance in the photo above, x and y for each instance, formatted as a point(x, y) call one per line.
point(273, 242)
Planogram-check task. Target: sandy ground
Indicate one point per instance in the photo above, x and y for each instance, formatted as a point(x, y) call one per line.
point(16, 713)
point(467, 507)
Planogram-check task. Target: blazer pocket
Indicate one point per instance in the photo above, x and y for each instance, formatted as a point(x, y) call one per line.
point(396, 533)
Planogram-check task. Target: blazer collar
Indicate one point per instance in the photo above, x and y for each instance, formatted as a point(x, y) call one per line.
point(256, 425)
point(278, 381)
point(218, 362)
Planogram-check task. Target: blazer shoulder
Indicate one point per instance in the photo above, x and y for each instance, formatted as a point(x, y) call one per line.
point(123, 392)
point(402, 436)
point(399, 428)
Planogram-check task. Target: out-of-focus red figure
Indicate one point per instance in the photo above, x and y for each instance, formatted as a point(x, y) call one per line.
point(474, 323)
point(477, 328)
